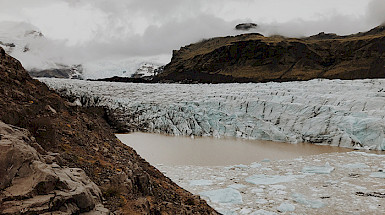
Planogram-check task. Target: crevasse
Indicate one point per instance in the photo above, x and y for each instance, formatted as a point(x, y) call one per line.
point(331, 112)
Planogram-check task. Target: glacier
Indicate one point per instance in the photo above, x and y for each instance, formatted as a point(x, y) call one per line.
point(345, 113)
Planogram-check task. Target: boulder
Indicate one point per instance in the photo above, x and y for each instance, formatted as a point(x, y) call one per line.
point(33, 182)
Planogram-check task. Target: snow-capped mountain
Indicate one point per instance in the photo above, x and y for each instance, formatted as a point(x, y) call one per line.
point(43, 57)
point(29, 45)
point(147, 70)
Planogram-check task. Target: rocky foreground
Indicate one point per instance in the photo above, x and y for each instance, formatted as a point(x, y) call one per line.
point(59, 158)
point(255, 58)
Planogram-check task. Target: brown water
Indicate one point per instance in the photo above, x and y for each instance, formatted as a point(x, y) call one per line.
point(208, 151)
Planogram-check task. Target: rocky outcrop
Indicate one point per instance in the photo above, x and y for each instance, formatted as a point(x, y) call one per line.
point(33, 182)
point(245, 26)
point(83, 139)
point(62, 71)
point(255, 58)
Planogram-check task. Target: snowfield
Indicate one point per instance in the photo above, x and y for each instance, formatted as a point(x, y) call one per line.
point(329, 112)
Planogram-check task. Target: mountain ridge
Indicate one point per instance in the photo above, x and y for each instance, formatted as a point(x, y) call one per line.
point(255, 58)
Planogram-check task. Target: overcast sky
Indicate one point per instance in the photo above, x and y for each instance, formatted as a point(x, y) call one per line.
point(151, 27)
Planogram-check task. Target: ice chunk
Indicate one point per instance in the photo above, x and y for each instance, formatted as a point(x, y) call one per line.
point(201, 182)
point(226, 212)
point(237, 186)
point(355, 166)
point(246, 211)
point(241, 166)
point(255, 165)
point(263, 212)
point(257, 190)
point(377, 175)
point(261, 201)
point(286, 207)
point(271, 179)
point(367, 154)
point(227, 195)
point(308, 202)
point(278, 187)
point(327, 169)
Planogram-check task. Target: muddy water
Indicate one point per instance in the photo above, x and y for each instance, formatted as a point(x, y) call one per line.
point(207, 151)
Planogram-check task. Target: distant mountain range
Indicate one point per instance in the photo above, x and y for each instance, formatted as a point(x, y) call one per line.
point(26, 42)
point(255, 58)
point(41, 57)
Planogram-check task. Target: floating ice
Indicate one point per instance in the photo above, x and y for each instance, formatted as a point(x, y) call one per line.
point(226, 212)
point(377, 175)
point(246, 211)
point(278, 187)
point(286, 207)
point(201, 182)
point(227, 195)
point(241, 166)
point(308, 202)
point(237, 186)
point(271, 179)
point(261, 201)
point(327, 169)
point(255, 165)
point(368, 154)
point(355, 166)
point(257, 190)
point(263, 212)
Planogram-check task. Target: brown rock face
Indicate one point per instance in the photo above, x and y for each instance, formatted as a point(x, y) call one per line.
point(82, 139)
point(33, 182)
point(255, 58)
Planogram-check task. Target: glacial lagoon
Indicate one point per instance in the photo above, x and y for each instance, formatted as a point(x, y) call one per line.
point(210, 151)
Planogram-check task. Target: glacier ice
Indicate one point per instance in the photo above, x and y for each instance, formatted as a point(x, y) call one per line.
point(227, 195)
point(329, 112)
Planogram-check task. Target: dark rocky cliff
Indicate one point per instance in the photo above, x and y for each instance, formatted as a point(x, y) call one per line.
point(255, 58)
point(81, 138)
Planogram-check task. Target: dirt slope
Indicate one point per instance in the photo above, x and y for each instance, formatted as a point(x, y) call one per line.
point(84, 140)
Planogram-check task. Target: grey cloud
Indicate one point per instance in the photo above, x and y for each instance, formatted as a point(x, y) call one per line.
point(171, 24)
point(376, 11)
